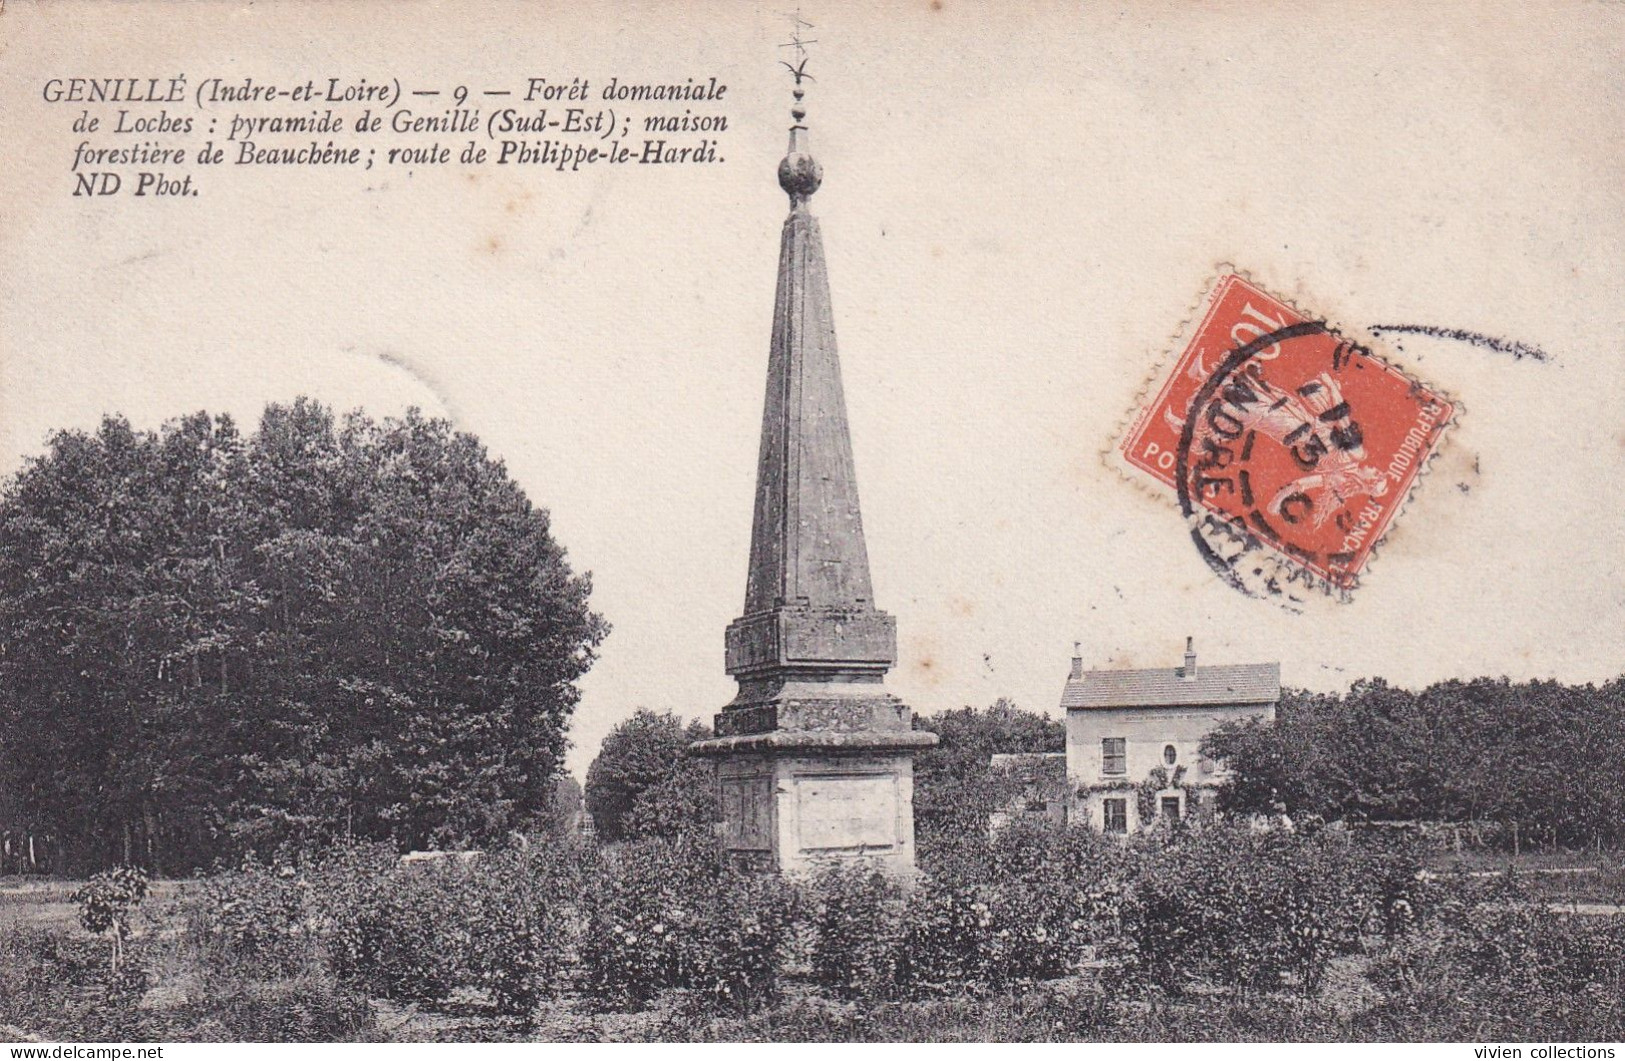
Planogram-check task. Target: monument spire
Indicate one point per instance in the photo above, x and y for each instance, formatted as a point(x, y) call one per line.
point(809, 611)
point(815, 758)
point(807, 541)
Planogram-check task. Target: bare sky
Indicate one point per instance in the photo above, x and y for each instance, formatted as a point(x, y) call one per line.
point(1021, 203)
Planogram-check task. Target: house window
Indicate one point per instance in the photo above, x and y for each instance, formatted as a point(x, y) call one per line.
point(1114, 755)
point(1170, 755)
point(1170, 808)
point(1116, 815)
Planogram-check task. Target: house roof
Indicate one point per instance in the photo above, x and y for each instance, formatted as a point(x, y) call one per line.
point(1242, 683)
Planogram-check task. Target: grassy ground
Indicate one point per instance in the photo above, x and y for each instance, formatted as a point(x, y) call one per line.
point(44, 904)
point(37, 903)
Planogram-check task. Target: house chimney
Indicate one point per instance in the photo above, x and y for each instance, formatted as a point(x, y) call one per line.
point(1077, 661)
point(1189, 673)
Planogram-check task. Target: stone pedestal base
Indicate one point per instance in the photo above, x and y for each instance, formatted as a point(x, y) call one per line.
point(795, 800)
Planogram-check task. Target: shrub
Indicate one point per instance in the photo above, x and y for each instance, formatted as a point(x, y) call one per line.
point(675, 914)
point(521, 910)
point(644, 926)
point(388, 927)
point(750, 927)
point(856, 915)
point(1057, 899)
point(944, 939)
point(106, 902)
point(1249, 909)
point(1026, 904)
point(254, 914)
point(501, 923)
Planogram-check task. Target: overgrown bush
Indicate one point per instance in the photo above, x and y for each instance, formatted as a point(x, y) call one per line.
point(1025, 904)
point(1488, 963)
point(857, 919)
point(521, 912)
point(943, 943)
point(677, 914)
point(500, 923)
point(1057, 901)
point(392, 928)
point(751, 927)
point(1255, 910)
point(1035, 931)
point(255, 915)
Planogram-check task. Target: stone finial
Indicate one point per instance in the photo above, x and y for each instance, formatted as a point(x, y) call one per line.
point(799, 173)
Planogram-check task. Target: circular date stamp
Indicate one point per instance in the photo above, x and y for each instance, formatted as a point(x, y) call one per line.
point(1289, 448)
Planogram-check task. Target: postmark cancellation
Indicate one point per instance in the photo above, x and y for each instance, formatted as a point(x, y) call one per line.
point(1289, 448)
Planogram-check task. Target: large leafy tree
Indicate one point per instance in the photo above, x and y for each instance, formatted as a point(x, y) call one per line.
point(211, 642)
point(644, 783)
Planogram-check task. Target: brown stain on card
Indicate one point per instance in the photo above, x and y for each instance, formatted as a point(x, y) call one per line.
point(921, 660)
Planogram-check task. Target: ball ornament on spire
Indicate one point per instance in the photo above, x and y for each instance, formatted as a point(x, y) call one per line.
point(800, 175)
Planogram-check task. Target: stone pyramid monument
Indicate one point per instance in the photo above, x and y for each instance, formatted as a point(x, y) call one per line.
point(814, 757)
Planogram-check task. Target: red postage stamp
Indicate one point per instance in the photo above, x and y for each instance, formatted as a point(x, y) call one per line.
point(1284, 440)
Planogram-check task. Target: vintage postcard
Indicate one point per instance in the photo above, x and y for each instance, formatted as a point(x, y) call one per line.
point(931, 521)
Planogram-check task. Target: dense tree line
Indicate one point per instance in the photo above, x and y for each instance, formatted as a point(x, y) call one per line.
point(1531, 762)
point(1539, 757)
point(211, 641)
point(643, 784)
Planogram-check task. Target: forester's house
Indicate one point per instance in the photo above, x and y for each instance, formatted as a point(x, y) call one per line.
point(1133, 737)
